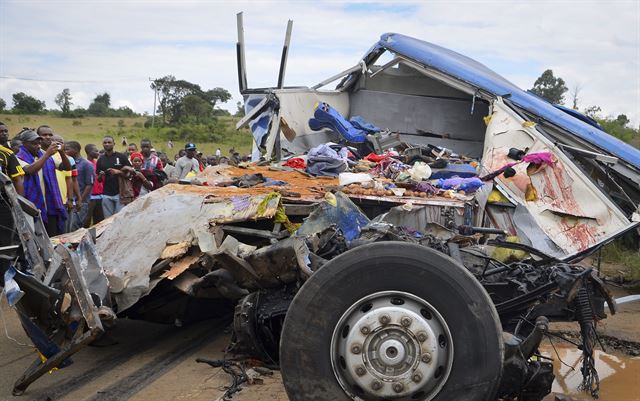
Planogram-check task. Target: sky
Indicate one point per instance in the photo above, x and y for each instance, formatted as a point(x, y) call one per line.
point(115, 46)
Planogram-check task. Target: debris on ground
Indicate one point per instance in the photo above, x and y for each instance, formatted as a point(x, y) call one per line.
point(487, 195)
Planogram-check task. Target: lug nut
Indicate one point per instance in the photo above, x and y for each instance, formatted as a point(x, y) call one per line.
point(422, 336)
point(398, 387)
point(376, 385)
point(356, 349)
point(426, 357)
point(360, 371)
point(405, 321)
point(416, 377)
point(364, 330)
point(384, 319)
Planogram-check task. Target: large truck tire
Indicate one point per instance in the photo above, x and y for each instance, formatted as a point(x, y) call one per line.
point(391, 320)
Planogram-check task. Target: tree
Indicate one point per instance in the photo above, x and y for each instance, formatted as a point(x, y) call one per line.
point(197, 108)
point(104, 98)
point(25, 104)
point(98, 109)
point(550, 88)
point(574, 95)
point(216, 95)
point(100, 105)
point(3, 104)
point(622, 120)
point(63, 100)
point(593, 112)
point(240, 110)
point(172, 94)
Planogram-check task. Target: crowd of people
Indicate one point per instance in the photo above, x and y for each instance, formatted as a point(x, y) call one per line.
point(73, 191)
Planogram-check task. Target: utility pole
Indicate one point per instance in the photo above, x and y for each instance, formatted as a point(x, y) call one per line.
point(155, 96)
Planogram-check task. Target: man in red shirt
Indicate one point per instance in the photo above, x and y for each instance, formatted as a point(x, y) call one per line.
point(95, 214)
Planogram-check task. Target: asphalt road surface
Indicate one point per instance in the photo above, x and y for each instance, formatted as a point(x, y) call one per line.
point(148, 362)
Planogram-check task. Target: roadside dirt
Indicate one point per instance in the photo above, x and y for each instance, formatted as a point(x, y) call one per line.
point(157, 362)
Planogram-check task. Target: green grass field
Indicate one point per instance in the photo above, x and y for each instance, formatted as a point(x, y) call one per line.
point(92, 129)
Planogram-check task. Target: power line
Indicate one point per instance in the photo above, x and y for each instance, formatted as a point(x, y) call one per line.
point(73, 81)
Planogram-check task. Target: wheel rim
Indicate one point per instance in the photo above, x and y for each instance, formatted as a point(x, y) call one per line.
point(391, 344)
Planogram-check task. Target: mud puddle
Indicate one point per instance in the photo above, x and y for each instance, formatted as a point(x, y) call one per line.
point(619, 373)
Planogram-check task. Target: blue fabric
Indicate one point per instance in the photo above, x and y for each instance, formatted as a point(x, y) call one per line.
point(453, 170)
point(360, 123)
point(325, 166)
point(479, 76)
point(259, 126)
point(460, 184)
point(344, 214)
point(325, 150)
point(326, 116)
point(11, 287)
point(49, 203)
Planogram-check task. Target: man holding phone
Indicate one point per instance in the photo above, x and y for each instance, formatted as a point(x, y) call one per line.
point(40, 183)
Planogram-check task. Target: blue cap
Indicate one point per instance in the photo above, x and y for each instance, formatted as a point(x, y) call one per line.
point(190, 146)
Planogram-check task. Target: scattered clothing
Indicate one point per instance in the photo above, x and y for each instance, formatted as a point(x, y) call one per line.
point(539, 158)
point(248, 180)
point(324, 161)
point(426, 187)
point(454, 170)
point(325, 166)
point(460, 184)
point(295, 162)
point(270, 182)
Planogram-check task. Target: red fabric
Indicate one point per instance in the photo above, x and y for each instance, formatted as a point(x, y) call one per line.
point(98, 186)
point(295, 162)
point(136, 154)
point(372, 157)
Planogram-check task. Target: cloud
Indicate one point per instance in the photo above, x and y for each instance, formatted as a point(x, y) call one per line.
point(116, 46)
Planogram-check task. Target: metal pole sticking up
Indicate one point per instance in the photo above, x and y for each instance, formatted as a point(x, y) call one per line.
point(242, 70)
point(285, 55)
point(283, 69)
point(155, 96)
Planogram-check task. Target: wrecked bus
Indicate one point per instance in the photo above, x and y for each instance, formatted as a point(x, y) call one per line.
point(361, 274)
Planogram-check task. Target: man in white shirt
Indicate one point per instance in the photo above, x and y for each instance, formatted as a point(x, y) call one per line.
point(187, 163)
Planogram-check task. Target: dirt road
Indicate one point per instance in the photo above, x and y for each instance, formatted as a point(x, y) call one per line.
point(157, 362)
point(149, 362)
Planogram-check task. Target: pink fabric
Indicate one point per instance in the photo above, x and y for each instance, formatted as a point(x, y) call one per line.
point(539, 158)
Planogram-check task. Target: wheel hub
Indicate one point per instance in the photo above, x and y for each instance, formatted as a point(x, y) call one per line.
point(391, 345)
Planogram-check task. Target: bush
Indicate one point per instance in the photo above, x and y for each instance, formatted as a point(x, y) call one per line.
point(121, 123)
point(76, 123)
point(137, 125)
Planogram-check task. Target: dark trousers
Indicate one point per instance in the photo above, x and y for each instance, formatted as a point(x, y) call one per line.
point(95, 214)
point(52, 226)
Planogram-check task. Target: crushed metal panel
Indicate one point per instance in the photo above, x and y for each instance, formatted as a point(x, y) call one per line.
point(570, 210)
point(166, 215)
